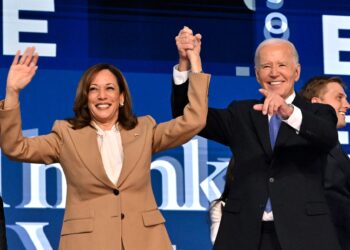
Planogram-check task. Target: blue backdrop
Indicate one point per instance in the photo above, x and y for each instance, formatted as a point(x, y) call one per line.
point(138, 37)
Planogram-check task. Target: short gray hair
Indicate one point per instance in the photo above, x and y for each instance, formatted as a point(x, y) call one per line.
point(275, 40)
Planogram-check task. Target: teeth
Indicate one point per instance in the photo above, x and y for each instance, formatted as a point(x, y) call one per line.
point(275, 83)
point(102, 105)
point(341, 113)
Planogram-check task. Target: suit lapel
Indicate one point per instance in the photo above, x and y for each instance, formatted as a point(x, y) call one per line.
point(261, 124)
point(132, 151)
point(85, 143)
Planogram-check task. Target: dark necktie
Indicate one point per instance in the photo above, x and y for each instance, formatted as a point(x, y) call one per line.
point(274, 126)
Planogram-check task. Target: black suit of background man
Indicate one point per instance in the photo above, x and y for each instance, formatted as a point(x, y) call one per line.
point(331, 90)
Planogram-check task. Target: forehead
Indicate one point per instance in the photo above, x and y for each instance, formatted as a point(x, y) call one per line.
point(275, 52)
point(104, 76)
point(334, 87)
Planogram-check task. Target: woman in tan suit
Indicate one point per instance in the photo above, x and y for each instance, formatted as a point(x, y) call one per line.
point(105, 152)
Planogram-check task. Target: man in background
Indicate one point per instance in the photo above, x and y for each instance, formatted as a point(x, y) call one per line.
point(331, 90)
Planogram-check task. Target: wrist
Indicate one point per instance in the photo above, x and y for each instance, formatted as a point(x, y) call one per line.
point(196, 65)
point(184, 65)
point(289, 112)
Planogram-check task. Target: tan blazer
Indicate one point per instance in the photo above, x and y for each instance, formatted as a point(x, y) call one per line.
point(99, 214)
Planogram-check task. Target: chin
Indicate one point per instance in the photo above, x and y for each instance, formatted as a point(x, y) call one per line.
point(341, 125)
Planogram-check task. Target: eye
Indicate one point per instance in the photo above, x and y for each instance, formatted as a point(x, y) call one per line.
point(92, 88)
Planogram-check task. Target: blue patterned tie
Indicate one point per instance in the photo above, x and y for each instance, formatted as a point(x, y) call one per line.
point(274, 126)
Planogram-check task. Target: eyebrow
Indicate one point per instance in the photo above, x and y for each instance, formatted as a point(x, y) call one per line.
point(109, 83)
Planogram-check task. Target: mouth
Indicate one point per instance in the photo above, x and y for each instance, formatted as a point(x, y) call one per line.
point(275, 83)
point(103, 105)
point(342, 113)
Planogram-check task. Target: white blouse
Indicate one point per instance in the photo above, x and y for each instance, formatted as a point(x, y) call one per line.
point(111, 149)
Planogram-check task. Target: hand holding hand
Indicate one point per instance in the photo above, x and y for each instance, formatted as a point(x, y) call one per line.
point(274, 104)
point(194, 55)
point(185, 41)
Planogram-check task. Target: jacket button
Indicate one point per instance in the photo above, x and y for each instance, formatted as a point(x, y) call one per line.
point(116, 191)
point(271, 179)
point(122, 216)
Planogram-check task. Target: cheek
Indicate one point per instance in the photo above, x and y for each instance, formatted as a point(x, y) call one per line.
point(90, 102)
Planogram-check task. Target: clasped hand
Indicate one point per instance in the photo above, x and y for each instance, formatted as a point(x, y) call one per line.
point(189, 47)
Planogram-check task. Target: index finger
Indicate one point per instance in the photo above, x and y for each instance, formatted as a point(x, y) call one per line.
point(264, 92)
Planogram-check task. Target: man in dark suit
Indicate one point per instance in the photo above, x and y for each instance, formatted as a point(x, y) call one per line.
point(331, 90)
point(3, 241)
point(284, 174)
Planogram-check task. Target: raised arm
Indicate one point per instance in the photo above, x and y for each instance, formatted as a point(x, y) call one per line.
point(189, 48)
point(21, 72)
point(38, 149)
point(193, 115)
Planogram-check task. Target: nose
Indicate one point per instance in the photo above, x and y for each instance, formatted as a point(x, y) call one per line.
point(101, 94)
point(273, 71)
point(346, 104)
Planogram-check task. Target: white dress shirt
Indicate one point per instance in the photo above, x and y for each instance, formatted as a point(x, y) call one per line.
point(215, 212)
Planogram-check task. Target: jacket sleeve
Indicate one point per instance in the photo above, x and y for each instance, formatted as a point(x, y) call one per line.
point(190, 121)
point(39, 149)
point(179, 98)
point(319, 126)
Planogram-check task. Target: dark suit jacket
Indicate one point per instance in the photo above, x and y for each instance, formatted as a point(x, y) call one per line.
point(3, 241)
point(291, 175)
point(337, 189)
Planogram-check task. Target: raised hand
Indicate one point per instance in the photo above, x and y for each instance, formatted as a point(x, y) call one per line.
point(194, 55)
point(274, 104)
point(21, 72)
point(185, 41)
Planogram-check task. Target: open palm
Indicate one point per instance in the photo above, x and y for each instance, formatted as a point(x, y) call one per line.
point(22, 70)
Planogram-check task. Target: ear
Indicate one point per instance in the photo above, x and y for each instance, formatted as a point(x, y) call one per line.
point(315, 100)
point(257, 75)
point(297, 72)
point(121, 101)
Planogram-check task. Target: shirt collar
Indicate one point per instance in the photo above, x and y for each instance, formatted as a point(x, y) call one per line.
point(290, 98)
point(102, 132)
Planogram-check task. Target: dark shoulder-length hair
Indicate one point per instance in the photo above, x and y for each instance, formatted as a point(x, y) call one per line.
point(82, 118)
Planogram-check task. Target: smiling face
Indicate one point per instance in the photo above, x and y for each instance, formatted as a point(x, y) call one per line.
point(335, 96)
point(277, 68)
point(104, 99)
